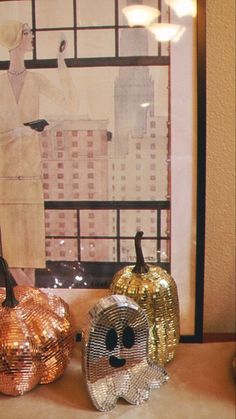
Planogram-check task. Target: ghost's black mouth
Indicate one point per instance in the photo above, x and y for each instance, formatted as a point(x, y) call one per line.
point(116, 362)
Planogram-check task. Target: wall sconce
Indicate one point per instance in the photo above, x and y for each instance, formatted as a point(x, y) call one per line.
point(140, 15)
point(165, 32)
point(183, 7)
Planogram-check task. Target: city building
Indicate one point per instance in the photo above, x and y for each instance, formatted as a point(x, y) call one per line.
point(142, 175)
point(74, 167)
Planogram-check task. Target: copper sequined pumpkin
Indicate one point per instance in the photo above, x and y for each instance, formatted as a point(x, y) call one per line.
point(156, 292)
point(36, 337)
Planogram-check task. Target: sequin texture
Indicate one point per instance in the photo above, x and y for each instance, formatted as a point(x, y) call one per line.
point(36, 340)
point(156, 292)
point(115, 351)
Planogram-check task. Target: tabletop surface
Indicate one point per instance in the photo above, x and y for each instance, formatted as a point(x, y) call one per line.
point(201, 386)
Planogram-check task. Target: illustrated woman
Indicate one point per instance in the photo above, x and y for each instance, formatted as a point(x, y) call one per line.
point(22, 229)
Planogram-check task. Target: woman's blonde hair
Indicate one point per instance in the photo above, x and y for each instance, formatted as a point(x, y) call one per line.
point(11, 34)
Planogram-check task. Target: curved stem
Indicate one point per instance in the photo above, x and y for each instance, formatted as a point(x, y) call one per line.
point(10, 300)
point(140, 267)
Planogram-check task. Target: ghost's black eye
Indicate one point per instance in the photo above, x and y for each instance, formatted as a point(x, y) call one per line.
point(128, 337)
point(111, 339)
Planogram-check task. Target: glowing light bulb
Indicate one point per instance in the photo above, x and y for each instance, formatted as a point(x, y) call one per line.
point(140, 15)
point(183, 7)
point(145, 104)
point(165, 32)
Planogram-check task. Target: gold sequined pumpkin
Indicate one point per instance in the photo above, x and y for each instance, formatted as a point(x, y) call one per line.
point(156, 292)
point(36, 337)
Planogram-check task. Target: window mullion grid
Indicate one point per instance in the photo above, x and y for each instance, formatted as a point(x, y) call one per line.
point(116, 29)
point(78, 235)
point(158, 235)
point(118, 233)
point(34, 28)
point(75, 27)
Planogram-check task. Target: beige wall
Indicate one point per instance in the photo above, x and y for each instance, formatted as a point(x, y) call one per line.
point(219, 315)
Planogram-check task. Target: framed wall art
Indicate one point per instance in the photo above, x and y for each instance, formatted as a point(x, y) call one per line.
point(102, 133)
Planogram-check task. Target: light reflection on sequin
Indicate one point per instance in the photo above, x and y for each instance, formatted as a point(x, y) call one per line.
point(36, 340)
point(130, 380)
point(156, 292)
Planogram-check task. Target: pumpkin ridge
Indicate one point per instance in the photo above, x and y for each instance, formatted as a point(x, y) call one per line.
point(36, 340)
point(156, 292)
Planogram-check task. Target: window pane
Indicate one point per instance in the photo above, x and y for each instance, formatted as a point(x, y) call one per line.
point(152, 45)
point(48, 43)
point(128, 250)
point(165, 220)
point(99, 13)
point(124, 3)
point(136, 41)
point(98, 250)
point(134, 220)
point(54, 13)
point(96, 43)
point(61, 223)
point(98, 222)
point(16, 10)
point(164, 253)
point(58, 249)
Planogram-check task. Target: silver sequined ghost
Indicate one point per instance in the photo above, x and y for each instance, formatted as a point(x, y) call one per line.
point(115, 354)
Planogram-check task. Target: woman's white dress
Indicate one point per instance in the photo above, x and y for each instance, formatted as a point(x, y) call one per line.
point(21, 194)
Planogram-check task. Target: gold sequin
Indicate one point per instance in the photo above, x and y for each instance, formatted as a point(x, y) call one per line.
point(36, 340)
point(156, 292)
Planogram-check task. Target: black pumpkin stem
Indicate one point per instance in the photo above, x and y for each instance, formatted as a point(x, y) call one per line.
point(140, 267)
point(10, 300)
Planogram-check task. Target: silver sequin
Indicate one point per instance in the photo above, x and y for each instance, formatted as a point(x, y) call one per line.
point(115, 354)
